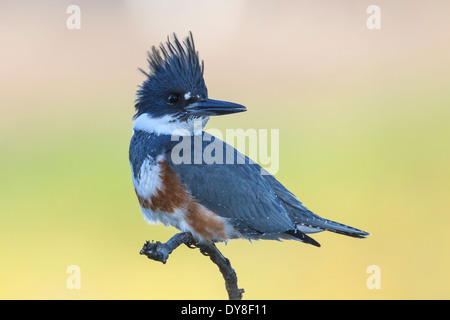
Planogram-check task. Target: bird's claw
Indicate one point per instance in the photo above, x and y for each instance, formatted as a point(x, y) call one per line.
point(203, 252)
point(191, 245)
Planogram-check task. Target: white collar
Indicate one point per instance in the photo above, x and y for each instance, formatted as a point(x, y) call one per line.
point(169, 125)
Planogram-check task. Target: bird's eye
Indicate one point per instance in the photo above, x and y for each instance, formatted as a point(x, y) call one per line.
point(173, 98)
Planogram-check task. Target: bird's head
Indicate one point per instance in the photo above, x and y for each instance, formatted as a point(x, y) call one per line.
point(174, 92)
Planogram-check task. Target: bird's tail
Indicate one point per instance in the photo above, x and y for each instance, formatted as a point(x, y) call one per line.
point(305, 220)
point(315, 223)
point(319, 224)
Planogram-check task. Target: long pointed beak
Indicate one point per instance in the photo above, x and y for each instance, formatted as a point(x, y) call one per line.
point(210, 107)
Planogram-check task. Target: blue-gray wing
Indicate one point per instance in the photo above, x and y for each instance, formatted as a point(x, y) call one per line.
point(226, 182)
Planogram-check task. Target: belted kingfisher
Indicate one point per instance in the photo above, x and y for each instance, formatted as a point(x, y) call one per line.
point(213, 200)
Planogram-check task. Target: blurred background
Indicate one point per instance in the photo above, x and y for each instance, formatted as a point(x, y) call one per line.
point(364, 124)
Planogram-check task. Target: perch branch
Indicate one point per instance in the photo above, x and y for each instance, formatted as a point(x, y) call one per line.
point(160, 252)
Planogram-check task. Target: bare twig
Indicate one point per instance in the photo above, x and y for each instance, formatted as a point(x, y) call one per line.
point(160, 252)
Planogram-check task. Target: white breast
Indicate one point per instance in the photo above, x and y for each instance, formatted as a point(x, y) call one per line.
point(148, 181)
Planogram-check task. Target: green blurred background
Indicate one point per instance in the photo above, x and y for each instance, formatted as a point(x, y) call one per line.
point(364, 120)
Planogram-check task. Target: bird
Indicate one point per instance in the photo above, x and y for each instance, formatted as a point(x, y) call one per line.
point(215, 201)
